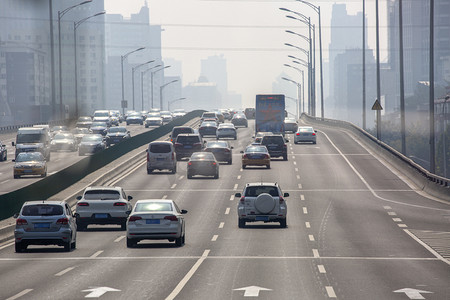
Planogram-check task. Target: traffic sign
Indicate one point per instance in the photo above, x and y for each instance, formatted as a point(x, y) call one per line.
point(377, 105)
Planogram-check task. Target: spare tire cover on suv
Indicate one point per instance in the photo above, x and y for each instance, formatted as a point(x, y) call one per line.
point(264, 203)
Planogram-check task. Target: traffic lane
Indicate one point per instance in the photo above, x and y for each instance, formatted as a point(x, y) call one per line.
point(387, 278)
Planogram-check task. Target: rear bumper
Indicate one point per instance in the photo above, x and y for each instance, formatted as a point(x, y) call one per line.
point(101, 221)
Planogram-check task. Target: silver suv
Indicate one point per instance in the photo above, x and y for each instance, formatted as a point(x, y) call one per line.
point(262, 202)
point(161, 156)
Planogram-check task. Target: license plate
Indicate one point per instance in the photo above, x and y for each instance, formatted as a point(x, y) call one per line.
point(27, 171)
point(152, 221)
point(188, 146)
point(42, 225)
point(262, 218)
point(101, 216)
point(160, 158)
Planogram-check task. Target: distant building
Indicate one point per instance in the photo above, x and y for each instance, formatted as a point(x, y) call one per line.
point(202, 95)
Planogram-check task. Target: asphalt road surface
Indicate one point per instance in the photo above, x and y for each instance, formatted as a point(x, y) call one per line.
point(356, 230)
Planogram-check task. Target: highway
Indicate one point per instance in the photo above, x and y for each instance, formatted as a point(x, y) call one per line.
point(357, 229)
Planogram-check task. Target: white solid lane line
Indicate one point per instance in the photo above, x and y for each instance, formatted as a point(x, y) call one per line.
point(188, 276)
point(64, 271)
point(227, 211)
point(214, 238)
point(22, 293)
point(7, 245)
point(119, 239)
point(330, 292)
point(321, 269)
point(4, 181)
point(96, 254)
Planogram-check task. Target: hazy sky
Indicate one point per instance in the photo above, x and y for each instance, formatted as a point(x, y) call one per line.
point(250, 34)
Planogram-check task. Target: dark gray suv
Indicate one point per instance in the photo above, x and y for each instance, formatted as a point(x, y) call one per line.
point(188, 143)
point(276, 144)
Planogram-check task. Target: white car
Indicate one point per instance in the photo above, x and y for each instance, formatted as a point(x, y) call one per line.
point(153, 121)
point(262, 202)
point(166, 116)
point(305, 134)
point(156, 219)
point(226, 130)
point(103, 205)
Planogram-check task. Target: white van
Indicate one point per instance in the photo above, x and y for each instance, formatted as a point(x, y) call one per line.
point(161, 156)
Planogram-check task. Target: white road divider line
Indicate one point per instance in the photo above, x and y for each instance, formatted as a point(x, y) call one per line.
point(7, 245)
point(296, 169)
point(295, 163)
point(221, 225)
point(391, 213)
point(214, 238)
point(300, 186)
point(227, 211)
point(311, 238)
point(119, 239)
point(64, 271)
point(397, 220)
point(231, 197)
point(188, 276)
point(239, 177)
point(322, 269)
point(96, 254)
point(305, 210)
point(402, 225)
point(298, 177)
point(302, 197)
point(293, 157)
point(181, 177)
point(22, 293)
point(308, 225)
point(165, 197)
point(387, 207)
point(173, 186)
point(235, 186)
point(330, 292)
point(315, 253)
point(4, 181)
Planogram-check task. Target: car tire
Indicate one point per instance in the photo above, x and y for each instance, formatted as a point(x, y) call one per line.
point(285, 157)
point(44, 175)
point(314, 143)
point(230, 162)
point(179, 241)
point(174, 170)
point(131, 243)
point(244, 166)
point(235, 137)
point(216, 176)
point(149, 171)
point(74, 244)
point(81, 226)
point(123, 226)
point(189, 176)
point(19, 247)
point(241, 223)
point(283, 223)
point(268, 166)
point(146, 126)
point(67, 246)
point(16, 176)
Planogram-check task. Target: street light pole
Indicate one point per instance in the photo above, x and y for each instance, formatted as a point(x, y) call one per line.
point(52, 59)
point(303, 84)
point(75, 26)
point(132, 76)
point(431, 100)
point(122, 58)
point(298, 94)
point(172, 101)
point(142, 84)
point(161, 92)
point(60, 15)
point(378, 70)
point(152, 79)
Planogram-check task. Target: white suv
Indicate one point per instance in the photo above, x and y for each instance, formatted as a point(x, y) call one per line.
point(103, 205)
point(161, 156)
point(262, 202)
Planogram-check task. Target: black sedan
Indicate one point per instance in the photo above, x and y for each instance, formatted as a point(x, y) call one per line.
point(99, 128)
point(208, 128)
point(202, 163)
point(91, 143)
point(116, 135)
point(221, 150)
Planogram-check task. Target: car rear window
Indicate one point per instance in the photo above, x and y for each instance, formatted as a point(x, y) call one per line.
point(153, 206)
point(102, 195)
point(188, 139)
point(272, 140)
point(255, 191)
point(177, 131)
point(42, 210)
point(209, 115)
point(160, 148)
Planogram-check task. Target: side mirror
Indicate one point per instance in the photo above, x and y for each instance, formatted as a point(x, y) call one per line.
point(13, 160)
point(13, 144)
point(129, 198)
point(231, 147)
point(238, 195)
point(315, 131)
point(286, 195)
point(241, 151)
point(79, 197)
point(16, 215)
point(287, 141)
point(183, 211)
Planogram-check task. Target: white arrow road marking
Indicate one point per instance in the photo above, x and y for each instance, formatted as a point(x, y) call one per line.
point(413, 293)
point(252, 291)
point(98, 292)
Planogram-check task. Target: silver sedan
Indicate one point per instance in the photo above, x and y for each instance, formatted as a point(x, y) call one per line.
point(305, 134)
point(156, 219)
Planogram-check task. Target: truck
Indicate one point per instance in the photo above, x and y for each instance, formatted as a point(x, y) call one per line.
point(270, 111)
point(33, 139)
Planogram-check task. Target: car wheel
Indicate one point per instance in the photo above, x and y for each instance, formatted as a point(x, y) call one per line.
point(16, 176)
point(179, 241)
point(268, 166)
point(149, 171)
point(235, 137)
point(189, 176)
point(19, 247)
point(314, 143)
point(44, 175)
point(216, 176)
point(174, 170)
point(244, 166)
point(81, 226)
point(74, 245)
point(146, 126)
point(285, 157)
point(179, 158)
point(131, 243)
point(123, 226)
point(67, 246)
point(230, 162)
point(283, 223)
point(241, 223)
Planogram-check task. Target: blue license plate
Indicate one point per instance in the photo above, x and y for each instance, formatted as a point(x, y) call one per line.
point(160, 158)
point(42, 225)
point(262, 218)
point(152, 221)
point(101, 216)
point(187, 146)
point(27, 171)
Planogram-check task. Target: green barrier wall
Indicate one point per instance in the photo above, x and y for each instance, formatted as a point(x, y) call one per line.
point(53, 184)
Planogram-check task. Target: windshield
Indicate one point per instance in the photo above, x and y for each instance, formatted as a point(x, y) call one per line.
point(30, 156)
point(63, 136)
point(101, 114)
point(117, 129)
point(92, 138)
point(99, 124)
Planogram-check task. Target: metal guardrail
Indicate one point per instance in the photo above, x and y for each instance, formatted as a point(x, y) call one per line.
point(439, 181)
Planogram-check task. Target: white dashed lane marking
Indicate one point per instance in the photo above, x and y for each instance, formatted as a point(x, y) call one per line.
point(391, 213)
point(227, 211)
point(311, 238)
point(397, 220)
point(239, 177)
point(305, 210)
point(330, 292)
point(119, 239)
point(214, 238)
point(296, 169)
point(164, 197)
point(308, 225)
point(315, 253)
point(221, 225)
point(235, 186)
point(300, 186)
point(298, 176)
point(173, 186)
point(302, 197)
point(64, 271)
point(295, 162)
point(96, 254)
point(22, 293)
point(321, 269)
point(402, 225)
point(232, 198)
point(181, 177)
point(387, 207)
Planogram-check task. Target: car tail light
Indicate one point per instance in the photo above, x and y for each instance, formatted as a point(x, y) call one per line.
point(171, 218)
point(134, 218)
point(242, 199)
point(197, 144)
point(178, 145)
point(63, 221)
point(281, 200)
point(21, 222)
point(227, 150)
point(189, 163)
point(173, 156)
point(214, 163)
point(284, 146)
point(297, 133)
point(120, 204)
point(148, 156)
point(244, 156)
point(83, 204)
point(313, 133)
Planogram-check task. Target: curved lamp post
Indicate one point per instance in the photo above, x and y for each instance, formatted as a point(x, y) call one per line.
point(122, 58)
point(60, 15)
point(132, 75)
point(142, 84)
point(172, 101)
point(160, 69)
point(299, 86)
point(303, 84)
point(75, 26)
point(161, 92)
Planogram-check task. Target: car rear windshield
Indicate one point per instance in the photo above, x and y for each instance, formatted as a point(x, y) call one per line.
point(272, 140)
point(177, 131)
point(102, 195)
point(188, 139)
point(42, 210)
point(160, 148)
point(153, 206)
point(209, 115)
point(255, 191)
